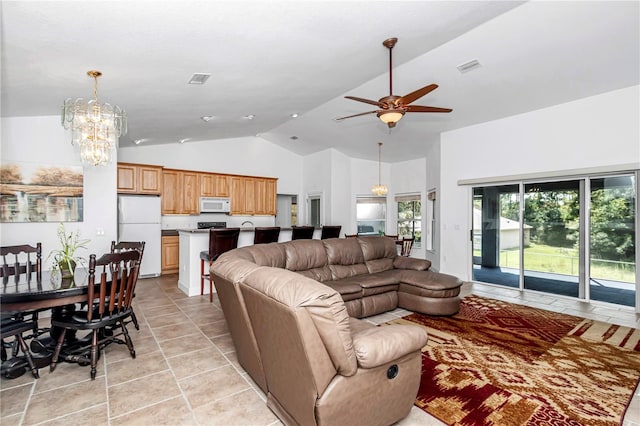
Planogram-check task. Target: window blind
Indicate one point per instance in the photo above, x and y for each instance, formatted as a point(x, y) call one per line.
point(407, 197)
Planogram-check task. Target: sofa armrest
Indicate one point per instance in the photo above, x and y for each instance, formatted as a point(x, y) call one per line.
point(403, 262)
point(380, 345)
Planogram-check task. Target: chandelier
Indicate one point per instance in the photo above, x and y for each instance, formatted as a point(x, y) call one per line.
point(95, 127)
point(379, 189)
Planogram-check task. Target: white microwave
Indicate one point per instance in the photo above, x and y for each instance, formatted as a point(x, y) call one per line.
point(215, 205)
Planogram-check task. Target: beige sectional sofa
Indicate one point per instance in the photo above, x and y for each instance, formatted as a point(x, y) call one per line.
point(292, 311)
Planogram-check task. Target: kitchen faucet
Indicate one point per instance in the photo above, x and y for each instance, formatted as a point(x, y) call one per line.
point(247, 221)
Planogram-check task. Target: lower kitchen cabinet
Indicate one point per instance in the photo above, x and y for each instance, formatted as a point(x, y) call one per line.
point(170, 254)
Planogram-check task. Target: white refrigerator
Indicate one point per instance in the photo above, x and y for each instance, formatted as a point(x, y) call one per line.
point(139, 220)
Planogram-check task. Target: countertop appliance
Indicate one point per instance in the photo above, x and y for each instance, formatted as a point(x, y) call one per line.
point(215, 205)
point(139, 220)
point(207, 225)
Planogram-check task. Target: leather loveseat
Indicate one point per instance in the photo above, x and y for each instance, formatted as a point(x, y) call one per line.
point(295, 333)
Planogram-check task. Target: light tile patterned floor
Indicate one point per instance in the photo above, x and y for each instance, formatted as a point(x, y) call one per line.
point(186, 371)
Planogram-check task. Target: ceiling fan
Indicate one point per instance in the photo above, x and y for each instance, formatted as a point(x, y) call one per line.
point(392, 107)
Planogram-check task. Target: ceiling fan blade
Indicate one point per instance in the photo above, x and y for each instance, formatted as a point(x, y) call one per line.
point(366, 101)
point(407, 99)
point(420, 108)
point(356, 115)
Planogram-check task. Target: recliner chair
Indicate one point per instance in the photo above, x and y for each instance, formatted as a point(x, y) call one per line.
point(321, 366)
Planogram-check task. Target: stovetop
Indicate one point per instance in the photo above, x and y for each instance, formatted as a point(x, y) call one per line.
point(207, 225)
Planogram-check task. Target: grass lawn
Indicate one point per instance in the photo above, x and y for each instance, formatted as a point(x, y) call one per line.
point(543, 258)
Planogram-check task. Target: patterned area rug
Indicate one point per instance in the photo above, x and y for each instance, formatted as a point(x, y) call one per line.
point(497, 363)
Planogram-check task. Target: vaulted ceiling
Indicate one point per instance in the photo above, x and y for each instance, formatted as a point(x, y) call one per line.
point(271, 59)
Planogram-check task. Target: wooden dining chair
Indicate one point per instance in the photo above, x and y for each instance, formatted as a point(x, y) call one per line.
point(394, 237)
point(123, 246)
point(266, 234)
point(407, 244)
point(14, 327)
point(330, 231)
point(108, 304)
point(221, 240)
point(16, 261)
point(302, 232)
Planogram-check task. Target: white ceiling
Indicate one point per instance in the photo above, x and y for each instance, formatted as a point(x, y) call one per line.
point(275, 58)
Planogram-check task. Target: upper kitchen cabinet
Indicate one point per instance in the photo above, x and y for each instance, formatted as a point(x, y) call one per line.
point(253, 195)
point(214, 185)
point(139, 179)
point(180, 192)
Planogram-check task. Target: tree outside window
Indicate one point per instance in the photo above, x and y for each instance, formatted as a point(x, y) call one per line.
point(410, 220)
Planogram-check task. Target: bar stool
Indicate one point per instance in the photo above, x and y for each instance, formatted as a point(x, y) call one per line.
point(221, 240)
point(302, 232)
point(330, 231)
point(266, 234)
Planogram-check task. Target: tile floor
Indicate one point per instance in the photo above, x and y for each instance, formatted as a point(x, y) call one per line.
point(186, 371)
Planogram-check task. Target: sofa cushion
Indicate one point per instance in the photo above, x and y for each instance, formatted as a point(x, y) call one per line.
point(378, 253)
point(380, 282)
point(272, 254)
point(348, 290)
point(429, 280)
point(404, 262)
point(302, 255)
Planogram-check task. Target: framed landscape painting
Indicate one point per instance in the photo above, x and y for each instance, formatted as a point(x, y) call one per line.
point(40, 193)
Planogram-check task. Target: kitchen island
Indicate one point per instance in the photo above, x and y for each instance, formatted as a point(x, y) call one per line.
point(193, 241)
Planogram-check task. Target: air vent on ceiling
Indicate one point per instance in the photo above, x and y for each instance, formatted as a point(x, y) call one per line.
point(199, 78)
point(469, 66)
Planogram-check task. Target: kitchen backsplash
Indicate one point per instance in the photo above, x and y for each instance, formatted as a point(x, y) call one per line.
point(190, 222)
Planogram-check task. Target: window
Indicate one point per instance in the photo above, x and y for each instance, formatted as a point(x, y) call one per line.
point(410, 217)
point(371, 213)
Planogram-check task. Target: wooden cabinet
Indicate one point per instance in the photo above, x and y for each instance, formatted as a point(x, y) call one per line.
point(214, 185)
point(139, 179)
point(170, 254)
point(237, 195)
point(180, 192)
point(253, 195)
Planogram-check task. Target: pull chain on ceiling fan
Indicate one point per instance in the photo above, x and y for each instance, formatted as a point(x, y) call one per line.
point(393, 108)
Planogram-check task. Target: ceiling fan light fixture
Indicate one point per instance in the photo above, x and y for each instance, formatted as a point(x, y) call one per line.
point(390, 117)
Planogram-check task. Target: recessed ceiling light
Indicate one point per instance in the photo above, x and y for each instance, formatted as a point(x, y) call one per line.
point(199, 78)
point(294, 115)
point(294, 138)
point(206, 118)
point(469, 66)
point(249, 117)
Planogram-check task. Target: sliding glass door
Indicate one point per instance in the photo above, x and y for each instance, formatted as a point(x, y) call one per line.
point(496, 234)
point(552, 255)
point(612, 242)
point(574, 237)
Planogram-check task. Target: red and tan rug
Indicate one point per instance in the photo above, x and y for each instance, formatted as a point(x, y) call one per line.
point(497, 363)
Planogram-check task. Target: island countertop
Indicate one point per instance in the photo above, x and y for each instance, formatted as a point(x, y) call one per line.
point(193, 241)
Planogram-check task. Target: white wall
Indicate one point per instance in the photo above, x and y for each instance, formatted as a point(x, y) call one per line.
point(340, 211)
point(42, 140)
point(433, 164)
point(599, 131)
point(316, 180)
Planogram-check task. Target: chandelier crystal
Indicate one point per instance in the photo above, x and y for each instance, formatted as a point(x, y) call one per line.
point(379, 189)
point(95, 127)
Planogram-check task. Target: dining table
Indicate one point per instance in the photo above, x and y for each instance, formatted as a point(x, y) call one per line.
point(34, 292)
